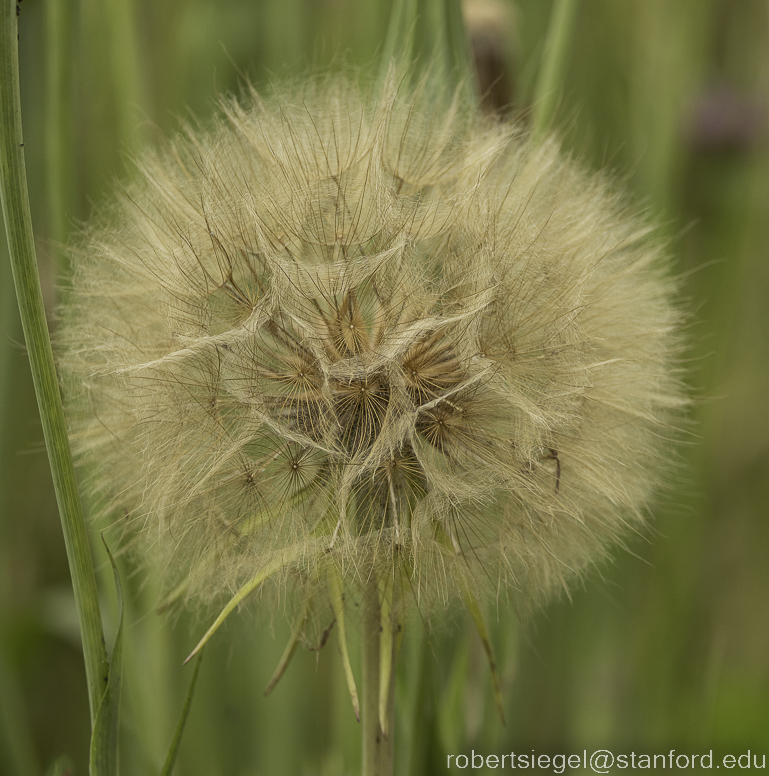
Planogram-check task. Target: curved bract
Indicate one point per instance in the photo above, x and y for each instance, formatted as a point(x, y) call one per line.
point(372, 333)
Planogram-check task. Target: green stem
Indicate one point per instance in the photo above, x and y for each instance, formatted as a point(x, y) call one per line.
point(459, 54)
point(400, 32)
point(377, 748)
point(124, 68)
point(57, 34)
point(553, 68)
point(423, 718)
point(21, 246)
point(431, 33)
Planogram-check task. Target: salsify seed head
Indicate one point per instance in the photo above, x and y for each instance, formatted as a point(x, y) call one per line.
point(369, 333)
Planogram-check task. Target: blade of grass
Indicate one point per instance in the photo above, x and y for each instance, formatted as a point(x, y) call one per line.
point(386, 653)
point(452, 700)
point(471, 602)
point(57, 39)
point(21, 246)
point(261, 576)
point(16, 739)
point(400, 33)
point(432, 34)
point(422, 723)
point(377, 748)
point(173, 750)
point(553, 67)
point(288, 652)
point(104, 739)
point(460, 59)
point(337, 604)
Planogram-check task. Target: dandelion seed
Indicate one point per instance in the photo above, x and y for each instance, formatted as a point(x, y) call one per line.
point(370, 333)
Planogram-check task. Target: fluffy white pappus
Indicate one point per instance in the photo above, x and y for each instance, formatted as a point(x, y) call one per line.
point(352, 332)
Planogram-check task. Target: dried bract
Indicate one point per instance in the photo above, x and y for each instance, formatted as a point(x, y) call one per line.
point(342, 332)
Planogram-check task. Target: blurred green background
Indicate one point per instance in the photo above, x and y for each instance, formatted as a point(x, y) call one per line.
point(667, 646)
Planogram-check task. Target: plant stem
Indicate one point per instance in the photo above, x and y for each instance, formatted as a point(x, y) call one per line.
point(553, 67)
point(377, 749)
point(58, 16)
point(432, 34)
point(21, 246)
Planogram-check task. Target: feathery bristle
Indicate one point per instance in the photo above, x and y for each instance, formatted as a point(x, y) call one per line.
point(370, 329)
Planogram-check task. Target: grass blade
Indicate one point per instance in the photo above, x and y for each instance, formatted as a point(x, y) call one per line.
point(104, 738)
point(471, 602)
point(288, 652)
point(173, 749)
point(337, 604)
point(553, 68)
point(21, 247)
point(385, 653)
point(261, 576)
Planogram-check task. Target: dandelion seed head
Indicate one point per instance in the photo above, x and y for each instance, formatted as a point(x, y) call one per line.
point(350, 329)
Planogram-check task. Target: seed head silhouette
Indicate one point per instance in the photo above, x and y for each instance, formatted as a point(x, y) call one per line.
point(351, 334)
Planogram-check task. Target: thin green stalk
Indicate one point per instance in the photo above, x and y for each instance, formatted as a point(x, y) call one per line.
point(460, 56)
point(432, 34)
point(400, 32)
point(110, 89)
point(57, 33)
point(124, 68)
point(173, 750)
point(21, 246)
point(377, 748)
point(8, 334)
point(553, 67)
point(422, 725)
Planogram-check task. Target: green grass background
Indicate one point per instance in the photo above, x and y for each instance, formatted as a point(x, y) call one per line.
point(666, 647)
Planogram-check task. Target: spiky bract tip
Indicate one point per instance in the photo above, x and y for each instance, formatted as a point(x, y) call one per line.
point(354, 334)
